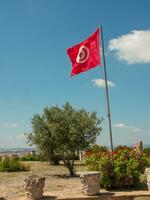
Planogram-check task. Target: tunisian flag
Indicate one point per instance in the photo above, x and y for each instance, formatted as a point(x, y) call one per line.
point(85, 55)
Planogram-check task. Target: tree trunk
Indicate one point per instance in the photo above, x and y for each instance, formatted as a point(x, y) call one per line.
point(70, 167)
point(54, 159)
point(56, 162)
point(71, 171)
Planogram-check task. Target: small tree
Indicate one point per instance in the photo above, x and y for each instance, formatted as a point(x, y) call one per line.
point(61, 132)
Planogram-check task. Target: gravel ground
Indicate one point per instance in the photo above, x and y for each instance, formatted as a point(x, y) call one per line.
point(58, 182)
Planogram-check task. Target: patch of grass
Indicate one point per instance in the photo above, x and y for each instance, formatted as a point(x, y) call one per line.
point(9, 164)
point(29, 157)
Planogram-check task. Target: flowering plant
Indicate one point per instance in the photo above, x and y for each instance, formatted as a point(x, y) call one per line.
point(118, 169)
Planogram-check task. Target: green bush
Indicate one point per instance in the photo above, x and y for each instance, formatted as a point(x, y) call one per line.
point(98, 149)
point(148, 161)
point(30, 157)
point(121, 147)
point(119, 169)
point(93, 155)
point(12, 165)
point(147, 151)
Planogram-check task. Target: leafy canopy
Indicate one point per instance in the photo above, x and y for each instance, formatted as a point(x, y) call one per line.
point(62, 131)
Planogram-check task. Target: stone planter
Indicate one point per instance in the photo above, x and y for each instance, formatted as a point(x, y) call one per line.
point(34, 187)
point(90, 183)
point(147, 172)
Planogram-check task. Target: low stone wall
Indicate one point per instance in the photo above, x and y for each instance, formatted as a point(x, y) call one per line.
point(114, 196)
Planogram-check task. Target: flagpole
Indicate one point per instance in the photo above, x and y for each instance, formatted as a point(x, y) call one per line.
point(106, 88)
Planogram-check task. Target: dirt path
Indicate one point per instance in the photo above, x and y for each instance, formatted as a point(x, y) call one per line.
point(57, 183)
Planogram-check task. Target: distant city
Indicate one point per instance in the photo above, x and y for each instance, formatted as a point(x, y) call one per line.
point(16, 150)
point(26, 150)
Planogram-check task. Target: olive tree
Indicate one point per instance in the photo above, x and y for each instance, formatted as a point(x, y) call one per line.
point(62, 131)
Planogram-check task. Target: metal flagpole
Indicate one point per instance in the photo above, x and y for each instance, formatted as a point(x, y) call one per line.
point(106, 87)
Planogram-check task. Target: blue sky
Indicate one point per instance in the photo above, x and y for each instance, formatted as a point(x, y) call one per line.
point(35, 69)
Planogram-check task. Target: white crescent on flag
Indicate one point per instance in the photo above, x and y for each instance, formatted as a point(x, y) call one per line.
point(83, 54)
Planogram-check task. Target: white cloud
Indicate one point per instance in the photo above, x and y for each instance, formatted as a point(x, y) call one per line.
point(122, 125)
point(101, 83)
point(10, 125)
point(133, 47)
point(132, 128)
point(20, 136)
point(137, 130)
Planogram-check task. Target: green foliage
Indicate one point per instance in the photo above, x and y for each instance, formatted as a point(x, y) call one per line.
point(121, 147)
point(147, 154)
point(30, 157)
point(147, 151)
point(61, 132)
point(12, 165)
point(106, 169)
point(148, 161)
point(92, 156)
point(92, 162)
point(96, 149)
point(118, 169)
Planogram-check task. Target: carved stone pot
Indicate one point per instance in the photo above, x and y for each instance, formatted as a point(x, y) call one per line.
point(90, 183)
point(34, 187)
point(147, 172)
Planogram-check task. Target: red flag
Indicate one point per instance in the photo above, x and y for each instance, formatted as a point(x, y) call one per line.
point(85, 55)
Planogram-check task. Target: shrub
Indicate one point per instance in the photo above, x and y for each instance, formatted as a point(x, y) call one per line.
point(106, 171)
point(92, 162)
point(118, 169)
point(93, 155)
point(12, 165)
point(147, 151)
point(121, 147)
point(98, 149)
point(30, 157)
